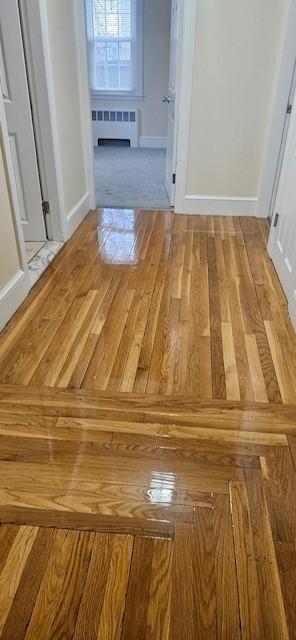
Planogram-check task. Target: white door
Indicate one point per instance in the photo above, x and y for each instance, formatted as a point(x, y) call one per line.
point(283, 146)
point(14, 87)
point(171, 100)
point(282, 240)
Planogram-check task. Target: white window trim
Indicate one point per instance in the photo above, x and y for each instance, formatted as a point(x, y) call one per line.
point(138, 94)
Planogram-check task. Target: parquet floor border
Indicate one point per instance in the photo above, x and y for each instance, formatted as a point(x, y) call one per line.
point(190, 524)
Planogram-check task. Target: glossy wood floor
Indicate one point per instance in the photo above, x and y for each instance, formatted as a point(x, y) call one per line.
point(149, 302)
point(148, 438)
point(133, 517)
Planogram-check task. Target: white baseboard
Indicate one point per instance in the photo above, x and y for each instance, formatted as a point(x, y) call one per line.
point(76, 215)
point(153, 142)
point(12, 296)
point(217, 206)
point(292, 311)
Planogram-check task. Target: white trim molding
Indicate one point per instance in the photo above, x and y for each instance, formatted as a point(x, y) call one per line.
point(218, 205)
point(280, 104)
point(153, 142)
point(12, 296)
point(188, 34)
point(76, 215)
point(85, 100)
point(292, 310)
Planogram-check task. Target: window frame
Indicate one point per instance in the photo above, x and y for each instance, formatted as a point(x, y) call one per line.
point(105, 94)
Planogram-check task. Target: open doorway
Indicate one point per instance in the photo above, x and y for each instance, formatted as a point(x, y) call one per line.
point(133, 69)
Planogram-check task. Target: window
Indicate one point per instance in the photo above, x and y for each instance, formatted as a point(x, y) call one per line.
point(115, 33)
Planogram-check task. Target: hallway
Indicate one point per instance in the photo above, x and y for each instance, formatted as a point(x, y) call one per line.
point(148, 437)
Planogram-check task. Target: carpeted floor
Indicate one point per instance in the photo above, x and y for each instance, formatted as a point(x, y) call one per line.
point(131, 178)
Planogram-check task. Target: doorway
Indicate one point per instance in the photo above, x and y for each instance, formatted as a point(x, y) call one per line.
point(133, 70)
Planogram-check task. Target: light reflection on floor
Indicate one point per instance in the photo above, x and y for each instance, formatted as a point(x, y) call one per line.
point(120, 245)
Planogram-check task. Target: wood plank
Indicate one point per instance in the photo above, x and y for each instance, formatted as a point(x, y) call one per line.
point(130, 470)
point(80, 370)
point(286, 560)
point(279, 478)
point(258, 382)
point(110, 627)
point(32, 401)
point(228, 619)
point(89, 615)
point(29, 585)
point(268, 369)
point(91, 427)
point(12, 571)
point(61, 587)
point(110, 503)
point(232, 383)
point(218, 371)
point(244, 376)
point(100, 368)
point(288, 392)
point(15, 429)
point(7, 536)
point(137, 602)
point(273, 611)
point(85, 521)
point(52, 363)
point(158, 614)
point(173, 450)
point(248, 583)
point(78, 349)
point(193, 613)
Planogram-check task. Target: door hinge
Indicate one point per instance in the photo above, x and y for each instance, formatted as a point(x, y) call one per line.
point(289, 108)
point(174, 178)
point(45, 208)
point(276, 219)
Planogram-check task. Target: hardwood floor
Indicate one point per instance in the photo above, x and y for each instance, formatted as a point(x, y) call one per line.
point(134, 517)
point(156, 303)
point(148, 438)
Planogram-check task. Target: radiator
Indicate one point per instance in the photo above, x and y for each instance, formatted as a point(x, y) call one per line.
point(116, 125)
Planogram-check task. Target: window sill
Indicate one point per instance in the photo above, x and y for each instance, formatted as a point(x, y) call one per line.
point(116, 97)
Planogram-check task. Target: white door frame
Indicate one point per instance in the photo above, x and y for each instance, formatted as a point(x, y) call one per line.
point(16, 290)
point(274, 247)
point(185, 65)
point(170, 184)
point(280, 104)
point(61, 224)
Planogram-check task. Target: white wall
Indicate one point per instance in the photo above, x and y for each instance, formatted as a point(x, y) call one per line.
point(153, 113)
point(237, 52)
